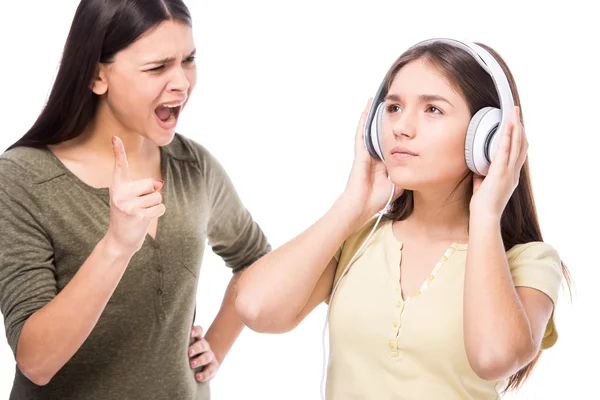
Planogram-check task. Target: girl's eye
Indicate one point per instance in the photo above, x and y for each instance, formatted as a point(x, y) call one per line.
point(434, 110)
point(393, 108)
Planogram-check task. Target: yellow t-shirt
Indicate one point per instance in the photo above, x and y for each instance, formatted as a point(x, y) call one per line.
point(385, 348)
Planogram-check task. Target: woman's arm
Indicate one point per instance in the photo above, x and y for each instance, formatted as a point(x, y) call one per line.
point(52, 335)
point(503, 325)
point(278, 290)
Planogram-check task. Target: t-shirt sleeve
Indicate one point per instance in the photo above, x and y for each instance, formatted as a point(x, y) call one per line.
point(27, 272)
point(232, 232)
point(347, 251)
point(538, 265)
point(337, 256)
point(338, 253)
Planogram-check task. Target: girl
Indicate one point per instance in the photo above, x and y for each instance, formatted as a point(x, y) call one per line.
point(98, 293)
point(415, 315)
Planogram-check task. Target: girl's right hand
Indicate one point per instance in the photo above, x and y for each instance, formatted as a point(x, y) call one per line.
point(368, 187)
point(133, 204)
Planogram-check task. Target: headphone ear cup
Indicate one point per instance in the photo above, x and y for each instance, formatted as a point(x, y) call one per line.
point(376, 137)
point(481, 130)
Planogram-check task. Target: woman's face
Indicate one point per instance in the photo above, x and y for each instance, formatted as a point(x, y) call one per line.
point(150, 81)
point(424, 128)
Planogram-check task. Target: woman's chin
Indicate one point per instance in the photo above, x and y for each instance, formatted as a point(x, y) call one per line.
point(403, 181)
point(162, 138)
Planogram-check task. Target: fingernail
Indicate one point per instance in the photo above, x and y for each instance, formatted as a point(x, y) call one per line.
point(113, 139)
point(193, 364)
point(161, 181)
point(191, 352)
point(198, 376)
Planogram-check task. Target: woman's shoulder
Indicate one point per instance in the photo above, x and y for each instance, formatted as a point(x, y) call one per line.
point(532, 250)
point(23, 171)
point(27, 164)
point(23, 155)
point(184, 148)
point(357, 238)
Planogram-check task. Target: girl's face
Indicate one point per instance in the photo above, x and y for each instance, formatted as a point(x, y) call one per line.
point(149, 82)
point(424, 128)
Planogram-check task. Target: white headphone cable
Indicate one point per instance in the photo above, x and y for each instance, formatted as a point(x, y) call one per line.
point(327, 360)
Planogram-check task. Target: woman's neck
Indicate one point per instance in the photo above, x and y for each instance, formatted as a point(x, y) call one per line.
point(441, 212)
point(99, 132)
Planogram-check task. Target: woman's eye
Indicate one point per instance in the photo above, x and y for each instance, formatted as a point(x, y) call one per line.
point(434, 110)
point(393, 108)
point(156, 69)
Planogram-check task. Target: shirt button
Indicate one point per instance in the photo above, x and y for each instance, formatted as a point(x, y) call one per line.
point(159, 291)
point(431, 277)
point(392, 344)
point(155, 245)
point(159, 268)
point(395, 324)
point(399, 304)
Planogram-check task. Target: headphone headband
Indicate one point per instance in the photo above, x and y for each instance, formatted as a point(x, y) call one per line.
point(489, 63)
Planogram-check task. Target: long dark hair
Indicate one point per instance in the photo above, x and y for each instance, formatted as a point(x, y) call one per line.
point(519, 222)
point(100, 29)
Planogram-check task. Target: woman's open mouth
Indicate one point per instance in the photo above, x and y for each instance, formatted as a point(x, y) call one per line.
point(168, 113)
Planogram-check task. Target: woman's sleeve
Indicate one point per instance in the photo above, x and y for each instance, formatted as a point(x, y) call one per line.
point(232, 232)
point(27, 272)
point(537, 265)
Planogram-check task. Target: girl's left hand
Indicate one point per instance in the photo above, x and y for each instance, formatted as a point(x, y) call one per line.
point(202, 357)
point(492, 192)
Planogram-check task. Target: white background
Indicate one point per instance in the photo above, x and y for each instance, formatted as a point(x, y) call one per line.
point(280, 89)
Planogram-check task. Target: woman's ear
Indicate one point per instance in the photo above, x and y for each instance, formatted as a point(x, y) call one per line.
point(99, 84)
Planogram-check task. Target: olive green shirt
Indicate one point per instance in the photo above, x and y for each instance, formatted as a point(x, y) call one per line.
point(51, 221)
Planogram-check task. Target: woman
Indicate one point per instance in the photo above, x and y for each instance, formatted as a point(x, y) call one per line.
point(105, 211)
point(414, 315)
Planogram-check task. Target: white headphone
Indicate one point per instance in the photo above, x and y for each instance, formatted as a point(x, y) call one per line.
point(482, 141)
